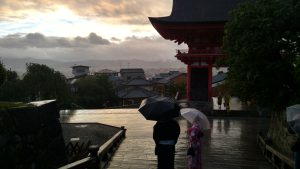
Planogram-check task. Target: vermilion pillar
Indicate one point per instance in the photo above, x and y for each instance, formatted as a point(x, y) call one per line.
point(209, 81)
point(188, 83)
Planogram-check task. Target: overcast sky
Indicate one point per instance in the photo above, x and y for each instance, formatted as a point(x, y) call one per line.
point(72, 30)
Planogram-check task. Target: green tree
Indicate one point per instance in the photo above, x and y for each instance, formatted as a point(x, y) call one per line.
point(94, 92)
point(11, 75)
point(262, 40)
point(262, 43)
point(12, 90)
point(41, 83)
point(173, 88)
point(2, 73)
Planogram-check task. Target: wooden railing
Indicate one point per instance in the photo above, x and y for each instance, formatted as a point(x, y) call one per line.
point(278, 160)
point(99, 156)
point(76, 150)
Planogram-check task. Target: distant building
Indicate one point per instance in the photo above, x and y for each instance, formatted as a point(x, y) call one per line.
point(163, 75)
point(163, 80)
point(130, 74)
point(80, 70)
point(142, 83)
point(107, 72)
point(135, 87)
point(134, 95)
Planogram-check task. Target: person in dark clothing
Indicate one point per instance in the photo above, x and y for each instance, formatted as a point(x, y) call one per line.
point(165, 135)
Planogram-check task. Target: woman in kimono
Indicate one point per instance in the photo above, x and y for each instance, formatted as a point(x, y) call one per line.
point(195, 134)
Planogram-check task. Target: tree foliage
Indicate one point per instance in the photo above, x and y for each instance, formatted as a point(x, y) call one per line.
point(173, 88)
point(11, 75)
point(42, 83)
point(262, 41)
point(2, 73)
point(11, 88)
point(94, 92)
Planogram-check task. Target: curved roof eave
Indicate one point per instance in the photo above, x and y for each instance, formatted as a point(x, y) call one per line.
point(199, 11)
point(168, 20)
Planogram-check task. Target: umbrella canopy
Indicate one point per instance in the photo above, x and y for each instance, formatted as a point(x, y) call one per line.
point(159, 108)
point(295, 126)
point(293, 118)
point(293, 113)
point(190, 114)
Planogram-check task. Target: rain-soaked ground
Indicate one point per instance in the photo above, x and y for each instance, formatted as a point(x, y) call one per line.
point(230, 144)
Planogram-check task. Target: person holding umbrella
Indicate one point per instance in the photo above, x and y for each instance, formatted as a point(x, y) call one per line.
point(199, 123)
point(165, 135)
point(166, 130)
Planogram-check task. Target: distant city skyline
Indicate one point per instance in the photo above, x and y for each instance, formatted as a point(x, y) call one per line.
point(83, 30)
point(151, 67)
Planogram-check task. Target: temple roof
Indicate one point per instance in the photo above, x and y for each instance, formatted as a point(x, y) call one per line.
point(137, 92)
point(199, 11)
point(139, 82)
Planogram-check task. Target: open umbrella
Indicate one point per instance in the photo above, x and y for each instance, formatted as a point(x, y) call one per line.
point(293, 113)
point(293, 118)
point(159, 108)
point(190, 114)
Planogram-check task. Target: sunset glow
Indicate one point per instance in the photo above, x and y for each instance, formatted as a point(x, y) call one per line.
point(70, 19)
point(74, 30)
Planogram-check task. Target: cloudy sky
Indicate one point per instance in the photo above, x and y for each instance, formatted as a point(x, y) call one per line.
point(74, 30)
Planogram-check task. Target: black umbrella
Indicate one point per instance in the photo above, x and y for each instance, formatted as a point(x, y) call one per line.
point(159, 108)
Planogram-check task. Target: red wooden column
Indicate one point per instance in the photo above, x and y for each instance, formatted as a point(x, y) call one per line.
point(188, 82)
point(209, 82)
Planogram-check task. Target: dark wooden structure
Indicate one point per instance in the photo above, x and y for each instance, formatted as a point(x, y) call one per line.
point(278, 160)
point(33, 136)
point(99, 156)
point(199, 24)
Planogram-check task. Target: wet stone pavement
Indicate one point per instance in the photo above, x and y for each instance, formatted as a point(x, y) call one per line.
point(230, 144)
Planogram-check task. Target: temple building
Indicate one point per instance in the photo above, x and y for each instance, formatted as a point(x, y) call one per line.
point(200, 25)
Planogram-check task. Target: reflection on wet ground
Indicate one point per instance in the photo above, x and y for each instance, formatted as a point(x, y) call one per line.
point(230, 144)
point(234, 103)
